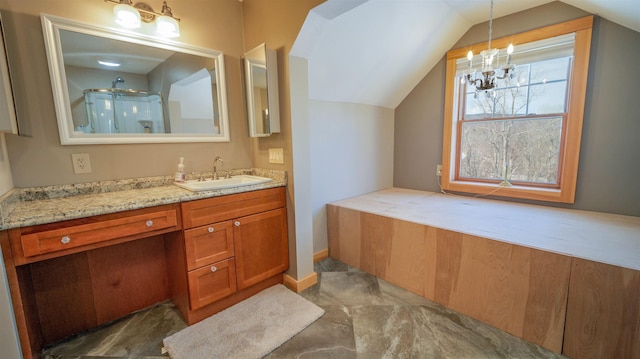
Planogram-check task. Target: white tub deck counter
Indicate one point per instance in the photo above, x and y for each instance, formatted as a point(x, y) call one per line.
point(568, 280)
point(600, 237)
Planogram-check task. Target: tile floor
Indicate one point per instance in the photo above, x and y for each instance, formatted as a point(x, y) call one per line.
point(365, 317)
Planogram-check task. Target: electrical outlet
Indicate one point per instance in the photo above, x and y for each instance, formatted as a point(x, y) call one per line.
point(276, 155)
point(439, 170)
point(81, 163)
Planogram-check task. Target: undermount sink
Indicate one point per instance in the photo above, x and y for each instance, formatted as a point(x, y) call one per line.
point(210, 185)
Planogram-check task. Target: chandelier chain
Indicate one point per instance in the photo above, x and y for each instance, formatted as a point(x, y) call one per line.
point(490, 23)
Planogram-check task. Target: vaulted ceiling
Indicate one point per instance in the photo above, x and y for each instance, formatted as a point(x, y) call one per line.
point(376, 51)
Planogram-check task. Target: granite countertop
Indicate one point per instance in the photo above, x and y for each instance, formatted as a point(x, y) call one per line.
point(22, 207)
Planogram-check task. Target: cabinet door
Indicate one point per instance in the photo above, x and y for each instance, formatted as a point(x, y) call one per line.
point(208, 244)
point(211, 283)
point(262, 249)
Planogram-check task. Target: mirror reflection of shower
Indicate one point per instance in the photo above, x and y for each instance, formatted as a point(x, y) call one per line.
point(116, 82)
point(121, 110)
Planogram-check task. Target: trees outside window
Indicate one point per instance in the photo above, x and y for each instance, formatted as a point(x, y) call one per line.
point(513, 134)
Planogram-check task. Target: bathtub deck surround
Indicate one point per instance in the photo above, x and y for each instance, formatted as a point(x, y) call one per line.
point(575, 233)
point(543, 274)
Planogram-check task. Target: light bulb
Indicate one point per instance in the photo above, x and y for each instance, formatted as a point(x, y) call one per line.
point(167, 26)
point(126, 16)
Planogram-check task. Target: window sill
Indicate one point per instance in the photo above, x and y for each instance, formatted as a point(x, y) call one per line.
point(521, 192)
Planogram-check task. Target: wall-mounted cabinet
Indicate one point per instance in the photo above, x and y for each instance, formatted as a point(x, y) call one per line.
point(261, 91)
point(8, 120)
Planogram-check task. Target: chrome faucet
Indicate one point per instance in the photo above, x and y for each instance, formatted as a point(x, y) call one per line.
point(215, 163)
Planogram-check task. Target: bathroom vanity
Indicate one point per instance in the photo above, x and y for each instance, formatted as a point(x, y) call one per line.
point(205, 251)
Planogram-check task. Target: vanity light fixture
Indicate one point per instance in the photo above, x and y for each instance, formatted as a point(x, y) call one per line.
point(130, 16)
point(485, 79)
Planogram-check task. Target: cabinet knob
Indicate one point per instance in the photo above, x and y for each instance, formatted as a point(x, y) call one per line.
point(149, 223)
point(237, 223)
point(210, 229)
point(65, 239)
point(213, 268)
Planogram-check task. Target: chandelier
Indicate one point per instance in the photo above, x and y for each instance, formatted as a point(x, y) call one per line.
point(485, 79)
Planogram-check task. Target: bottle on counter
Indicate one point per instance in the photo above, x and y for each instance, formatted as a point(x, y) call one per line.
point(180, 174)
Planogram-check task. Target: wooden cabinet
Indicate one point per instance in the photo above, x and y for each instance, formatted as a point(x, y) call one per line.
point(68, 277)
point(261, 246)
point(233, 246)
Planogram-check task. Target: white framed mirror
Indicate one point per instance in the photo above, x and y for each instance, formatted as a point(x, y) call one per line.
point(261, 91)
point(111, 87)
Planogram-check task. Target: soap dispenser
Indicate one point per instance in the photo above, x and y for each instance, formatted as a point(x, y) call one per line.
point(180, 175)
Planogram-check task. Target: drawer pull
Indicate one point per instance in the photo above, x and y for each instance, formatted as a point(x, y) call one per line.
point(149, 223)
point(210, 229)
point(65, 239)
point(237, 223)
point(213, 268)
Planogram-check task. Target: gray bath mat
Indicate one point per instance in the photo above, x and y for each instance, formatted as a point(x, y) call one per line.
point(250, 329)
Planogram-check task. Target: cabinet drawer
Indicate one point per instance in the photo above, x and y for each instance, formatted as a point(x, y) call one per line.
point(211, 283)
point(60, 239)
point(223, 208)
point(208, 244)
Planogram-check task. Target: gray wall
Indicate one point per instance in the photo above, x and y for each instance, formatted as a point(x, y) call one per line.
point(610, 151)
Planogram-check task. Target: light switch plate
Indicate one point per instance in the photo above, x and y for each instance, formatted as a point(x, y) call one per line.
point(81, 163)
point(276, 155)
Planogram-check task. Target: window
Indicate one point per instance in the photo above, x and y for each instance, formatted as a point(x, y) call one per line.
point(522, 139)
